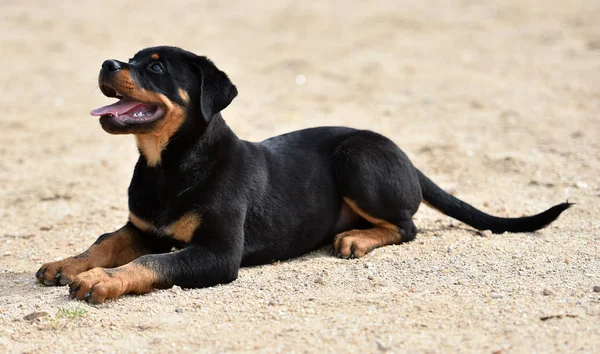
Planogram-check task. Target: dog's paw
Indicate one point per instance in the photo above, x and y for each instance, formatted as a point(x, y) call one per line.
point(100, 284)
point(97, 285)
point(352, 244)
point(61, 272)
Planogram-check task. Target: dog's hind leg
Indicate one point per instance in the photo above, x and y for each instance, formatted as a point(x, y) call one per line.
point(379, 183)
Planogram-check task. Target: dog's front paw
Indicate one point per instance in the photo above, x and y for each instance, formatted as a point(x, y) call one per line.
point(98, 285)
point(61, 272)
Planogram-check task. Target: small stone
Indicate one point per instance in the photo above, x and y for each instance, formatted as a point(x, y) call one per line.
point(35, 315)
point(46, 228)
point(485, 233)
point(597, 289)
point(176, 289)
point(179, 310)
point(476, 105)
point(449, 249)
point(370, 277)
point(320, 280)
point(546, 292)
point(593, 45)
point(368, 265)
point(382, 346)
point(581, 185)
point(497, 296)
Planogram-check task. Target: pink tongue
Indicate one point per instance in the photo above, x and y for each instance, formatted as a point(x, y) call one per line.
point(116, 109)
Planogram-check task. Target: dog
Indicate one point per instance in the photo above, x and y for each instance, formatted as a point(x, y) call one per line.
point(224, 203)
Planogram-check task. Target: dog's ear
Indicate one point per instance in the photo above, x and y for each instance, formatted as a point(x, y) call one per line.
point(216, 90)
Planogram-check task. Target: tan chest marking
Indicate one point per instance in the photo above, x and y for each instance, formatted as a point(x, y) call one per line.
point(184, 228)
point(181, 230)
point(139, 223)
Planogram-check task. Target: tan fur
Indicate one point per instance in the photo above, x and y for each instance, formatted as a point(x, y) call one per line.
point(155, 56)
point(117, 249)
point(181, 230)
point(360, 242)
point(102, 284)
point(153, 143)
point(184, 228)
point(378, 222)
point(184, 95)
point(139, 223)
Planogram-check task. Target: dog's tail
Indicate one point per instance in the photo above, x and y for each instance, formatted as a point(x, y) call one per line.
point(453, 207)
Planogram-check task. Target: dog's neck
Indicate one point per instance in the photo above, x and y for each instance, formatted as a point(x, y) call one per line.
point(173, 146)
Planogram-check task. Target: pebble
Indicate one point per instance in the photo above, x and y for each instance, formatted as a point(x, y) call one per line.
point(497, 296)
point(179, 309)
point(320, 280)
point(381, 346)
point(485, 233)
point(546, 292)
point(581, 185)
point(597, 289)
point(449, 249)
point(176, 289)
point(35, 315)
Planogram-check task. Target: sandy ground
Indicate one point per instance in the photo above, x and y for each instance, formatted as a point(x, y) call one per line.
point(497, 101)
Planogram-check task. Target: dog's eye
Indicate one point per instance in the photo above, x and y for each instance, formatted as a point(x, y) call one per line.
point(156, 67)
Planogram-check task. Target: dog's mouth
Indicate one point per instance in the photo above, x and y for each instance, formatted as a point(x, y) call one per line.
point(128, 110)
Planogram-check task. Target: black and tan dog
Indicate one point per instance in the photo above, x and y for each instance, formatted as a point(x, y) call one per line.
point(227, 203)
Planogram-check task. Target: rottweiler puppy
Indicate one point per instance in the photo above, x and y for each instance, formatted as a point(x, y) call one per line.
point(223, 202)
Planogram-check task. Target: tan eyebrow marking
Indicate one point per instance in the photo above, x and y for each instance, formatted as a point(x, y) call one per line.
point(184, 95)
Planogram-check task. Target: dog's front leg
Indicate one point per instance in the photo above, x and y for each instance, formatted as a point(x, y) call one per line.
point(110, 250)
point(215, 261)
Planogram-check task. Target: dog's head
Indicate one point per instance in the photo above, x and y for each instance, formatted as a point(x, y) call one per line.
point(159, 89)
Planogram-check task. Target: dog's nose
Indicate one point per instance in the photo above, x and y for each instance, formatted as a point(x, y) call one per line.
point(111, 65)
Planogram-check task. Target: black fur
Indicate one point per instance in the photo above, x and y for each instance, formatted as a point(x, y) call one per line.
point(272, 200)
point(464, 212)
